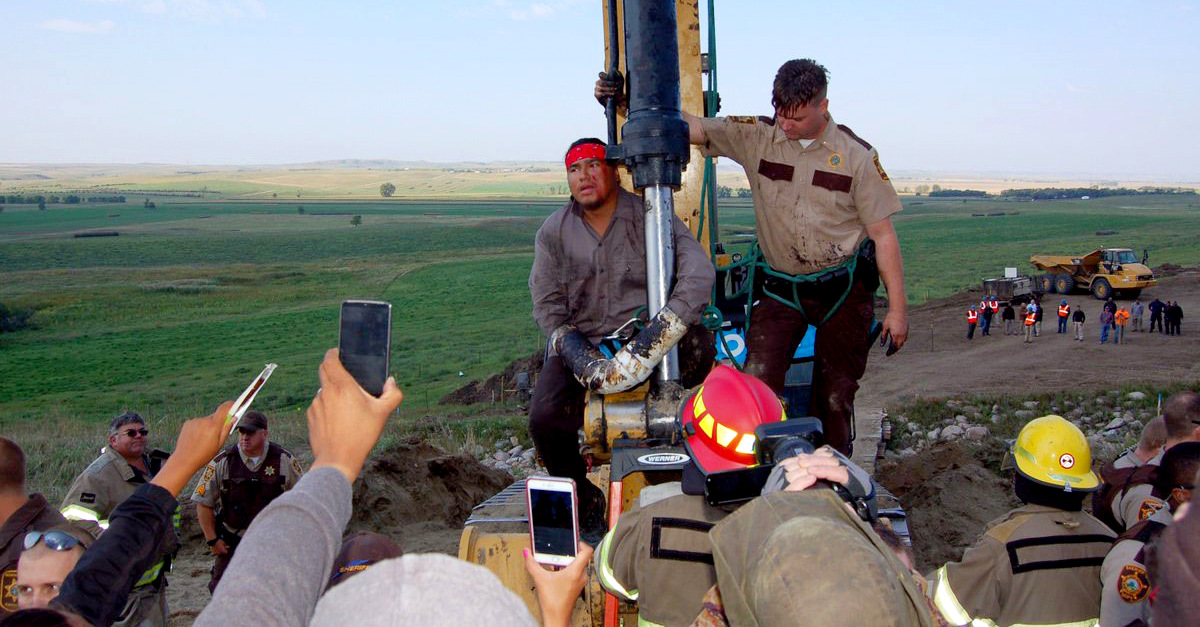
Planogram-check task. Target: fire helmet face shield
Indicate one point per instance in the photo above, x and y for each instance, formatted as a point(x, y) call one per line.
point(1052, 451)
point(719, 419)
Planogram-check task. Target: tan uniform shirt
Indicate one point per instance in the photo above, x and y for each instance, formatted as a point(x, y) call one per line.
point(1128, 459)
point(208, 490)
point(1125, 580)
point(1137, 503)
point(35, 515)
point(812, 205)
point(1036, 566)
point(105, 484)
point(660, 555)
point(597, 281)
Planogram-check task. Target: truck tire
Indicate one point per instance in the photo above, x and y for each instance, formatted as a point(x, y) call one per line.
point(1064, 283)
point(1101, 289)
point(1046, 284)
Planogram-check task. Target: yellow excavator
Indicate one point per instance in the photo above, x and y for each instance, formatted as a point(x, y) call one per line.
point(630, 434)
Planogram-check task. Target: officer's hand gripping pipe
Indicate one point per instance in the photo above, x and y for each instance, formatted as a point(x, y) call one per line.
point(630, 366)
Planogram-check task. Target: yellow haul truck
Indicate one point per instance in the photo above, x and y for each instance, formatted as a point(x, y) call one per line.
point(1104, 272)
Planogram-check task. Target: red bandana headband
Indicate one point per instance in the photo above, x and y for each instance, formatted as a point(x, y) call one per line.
point(585, 151)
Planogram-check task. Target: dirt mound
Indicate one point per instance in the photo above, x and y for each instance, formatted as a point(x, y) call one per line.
point(497, 387)
point(416, 486)
point(1168, 269)
point(949, 497)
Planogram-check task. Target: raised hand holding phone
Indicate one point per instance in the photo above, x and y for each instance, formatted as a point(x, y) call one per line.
point(364, 342)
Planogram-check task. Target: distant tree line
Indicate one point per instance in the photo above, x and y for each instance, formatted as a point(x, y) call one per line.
point(1055, 193)
point(730, 192)
point(958, 193)
point(69, 199)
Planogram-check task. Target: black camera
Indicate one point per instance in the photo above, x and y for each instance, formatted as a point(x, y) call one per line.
point(774, 442)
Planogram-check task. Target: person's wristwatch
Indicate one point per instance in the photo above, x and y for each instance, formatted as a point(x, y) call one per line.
point(213, 542)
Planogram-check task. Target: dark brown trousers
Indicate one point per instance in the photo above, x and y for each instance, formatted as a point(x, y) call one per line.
point(840, 353)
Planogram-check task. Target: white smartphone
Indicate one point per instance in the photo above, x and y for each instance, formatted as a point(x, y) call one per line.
point(243, 402)
point(553, 525)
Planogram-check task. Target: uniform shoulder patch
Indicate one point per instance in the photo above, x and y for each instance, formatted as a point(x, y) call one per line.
point(8, 590)
point(743, 119)
point(87, 497)
point(769, 121)
point(209, 471)
point(846, 129)
point(1133, 584)
point(296, 467)
point(883, 175)
point(1148, 508)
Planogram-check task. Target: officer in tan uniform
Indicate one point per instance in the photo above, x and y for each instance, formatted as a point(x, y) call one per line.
point(823, 207)
point(1125, 578)
point(1040, 564)
point(124, 465)
point(1133, 500)
point(659, 553)
point(237, 484)
point(1149, 446)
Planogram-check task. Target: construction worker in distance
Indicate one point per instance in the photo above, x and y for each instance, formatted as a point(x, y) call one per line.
point(1030, 320)
point(1124, 576)
point(1040, 564)
point(659, 553)
point(1121, 319)
point(990, 314)
point(1064, 314)
point(972, 319)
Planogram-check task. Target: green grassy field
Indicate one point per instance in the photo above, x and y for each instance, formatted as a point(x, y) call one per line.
point(184, 307)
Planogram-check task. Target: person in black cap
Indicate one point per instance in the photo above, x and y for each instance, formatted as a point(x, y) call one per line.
point(237, 484)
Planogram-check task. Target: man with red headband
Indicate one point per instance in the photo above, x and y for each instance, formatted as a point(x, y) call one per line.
point(589, 271)
point(823, 207)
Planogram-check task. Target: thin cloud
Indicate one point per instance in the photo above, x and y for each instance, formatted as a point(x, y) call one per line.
point(75, 26)
point(196, 10)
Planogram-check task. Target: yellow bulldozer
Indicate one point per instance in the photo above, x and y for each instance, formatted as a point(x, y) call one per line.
point(1105, 272)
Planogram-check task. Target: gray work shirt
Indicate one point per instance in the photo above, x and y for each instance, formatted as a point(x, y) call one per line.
point(596, 282)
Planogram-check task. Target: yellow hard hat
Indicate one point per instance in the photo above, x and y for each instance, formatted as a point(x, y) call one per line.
point(1052, 451)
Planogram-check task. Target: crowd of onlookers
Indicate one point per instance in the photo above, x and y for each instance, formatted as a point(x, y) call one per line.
point(795, 556)
point(1115, 321)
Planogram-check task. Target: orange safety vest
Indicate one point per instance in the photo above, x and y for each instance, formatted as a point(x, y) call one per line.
point(1122, 317)
point(1064, 311)
point(972, 316)
point(1030, 318)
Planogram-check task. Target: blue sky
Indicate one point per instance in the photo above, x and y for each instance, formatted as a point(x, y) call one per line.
point(1096, 88)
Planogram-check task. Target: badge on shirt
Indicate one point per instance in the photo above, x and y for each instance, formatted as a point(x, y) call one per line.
point(87, 497)
point(8, 590)
point(1148, 508)
point(835, 160)
point(1133, 583)
point(882, 174)
point(269, 471)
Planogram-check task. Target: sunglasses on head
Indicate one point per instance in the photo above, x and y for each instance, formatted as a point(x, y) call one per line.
point(136, 432)
point(54, 540)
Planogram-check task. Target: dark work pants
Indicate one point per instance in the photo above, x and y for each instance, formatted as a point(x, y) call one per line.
point(970, 330)
point(840, 353)
point(985, 324)
point(1156, 320)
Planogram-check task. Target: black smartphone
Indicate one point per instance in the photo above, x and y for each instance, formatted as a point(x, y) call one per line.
point(364, 342)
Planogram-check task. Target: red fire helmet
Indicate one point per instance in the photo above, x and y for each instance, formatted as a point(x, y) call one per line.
point(719, 419)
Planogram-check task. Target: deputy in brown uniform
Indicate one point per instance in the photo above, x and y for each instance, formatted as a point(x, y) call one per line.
point(237, 484)
point(820, 194)
point(1040, 564)
point(1125, 577)
point(124, 465)
point(19, 513)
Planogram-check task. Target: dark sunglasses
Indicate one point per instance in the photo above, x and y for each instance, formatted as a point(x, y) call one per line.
point(136, 432)
point(246, 430)
point(1186, 487)
point(55, 540)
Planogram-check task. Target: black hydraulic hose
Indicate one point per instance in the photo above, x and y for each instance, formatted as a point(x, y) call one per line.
point(614, 56)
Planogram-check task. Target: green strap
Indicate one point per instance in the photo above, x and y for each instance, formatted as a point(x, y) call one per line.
point(795, 281)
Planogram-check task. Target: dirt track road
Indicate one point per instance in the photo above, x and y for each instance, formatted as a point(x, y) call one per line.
point(939, 361)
